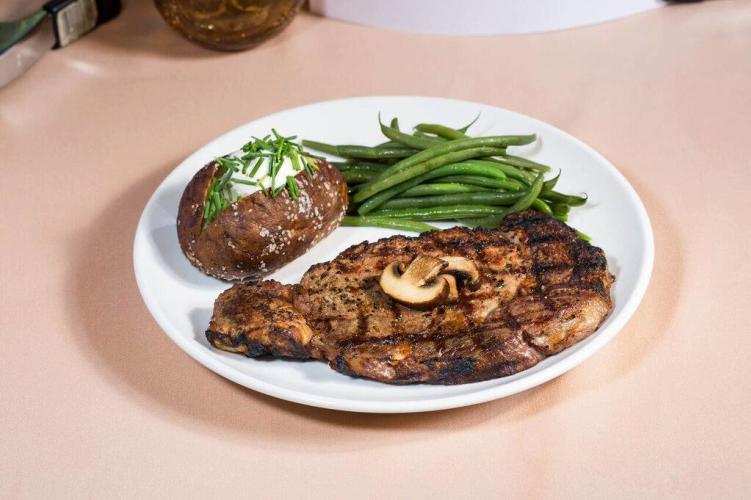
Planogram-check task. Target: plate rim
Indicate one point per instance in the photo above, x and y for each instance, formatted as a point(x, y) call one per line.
point(192, 348)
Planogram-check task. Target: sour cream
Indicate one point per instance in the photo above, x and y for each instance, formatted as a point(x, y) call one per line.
point(281, 177)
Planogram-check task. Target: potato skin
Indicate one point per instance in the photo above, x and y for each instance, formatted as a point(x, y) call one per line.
point(257, 234)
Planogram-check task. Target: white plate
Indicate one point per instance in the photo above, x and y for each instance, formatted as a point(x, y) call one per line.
point(180, 298)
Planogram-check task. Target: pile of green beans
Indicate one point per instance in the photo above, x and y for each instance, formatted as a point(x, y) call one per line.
point(440, 173)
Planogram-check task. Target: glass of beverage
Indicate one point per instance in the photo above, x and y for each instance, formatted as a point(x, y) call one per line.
point(228, 24)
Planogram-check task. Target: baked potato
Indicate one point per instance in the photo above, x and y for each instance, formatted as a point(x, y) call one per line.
point(258, 234)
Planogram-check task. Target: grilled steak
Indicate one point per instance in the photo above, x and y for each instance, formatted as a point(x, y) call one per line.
point(541, 289)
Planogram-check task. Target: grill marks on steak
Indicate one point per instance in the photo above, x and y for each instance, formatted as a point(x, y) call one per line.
point(343, 297)
point(541, 290)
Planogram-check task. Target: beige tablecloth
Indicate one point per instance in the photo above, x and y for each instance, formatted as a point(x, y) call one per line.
point(95, 401)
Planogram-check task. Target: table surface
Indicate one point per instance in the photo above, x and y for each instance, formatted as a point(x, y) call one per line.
point(96, 402)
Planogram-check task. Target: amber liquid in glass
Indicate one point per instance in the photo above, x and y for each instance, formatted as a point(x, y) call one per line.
point(228, 24)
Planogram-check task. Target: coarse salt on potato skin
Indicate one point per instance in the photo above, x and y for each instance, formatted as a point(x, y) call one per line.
point(258, 234)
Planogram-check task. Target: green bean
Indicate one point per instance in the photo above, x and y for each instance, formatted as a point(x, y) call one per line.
point(440, 131)
point(510, 171)
point(357, 176)
point(446, 132)
point(518, 161)
point(438, 156)
point(382, 164)
point(379, 199)
point(468, 168)
point(440, 173)
point(541, 206)
point(417, 133)
point(507, 185)
point(522, 204)
point(380, 183)
point(394, 124)
point(450, 212)
point(402, 224)
point(407, 139)
point(549, 184)
point(466, 127)
point(471, 222)
point(362, 167)
point(495, 142)
point(568, 199)
point(387, 144)
point(364, 152)
point(322, 146)
point(377, 164)
point(560, 208)
point(356, 167)
point(484, 198)
point(442, 188)
point(583, 236)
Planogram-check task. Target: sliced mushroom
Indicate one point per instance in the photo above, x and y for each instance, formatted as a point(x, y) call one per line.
point(453, 294)
point(462, 268)
point(424, 268)
point(416, 287)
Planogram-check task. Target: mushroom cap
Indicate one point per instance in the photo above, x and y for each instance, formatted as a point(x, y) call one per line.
point(411, 288)
point(423, 269)
point(463, 268)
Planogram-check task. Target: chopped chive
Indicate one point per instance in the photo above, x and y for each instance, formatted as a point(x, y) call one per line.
point(272, 149)
point(246, 161)
point(247, 182)
point(224, 180)
point(295, 158)
point(216, 200)
point(255, 168)
point(294, 190)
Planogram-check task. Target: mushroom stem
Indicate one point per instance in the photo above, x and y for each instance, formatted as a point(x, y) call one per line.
point(453, 294)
